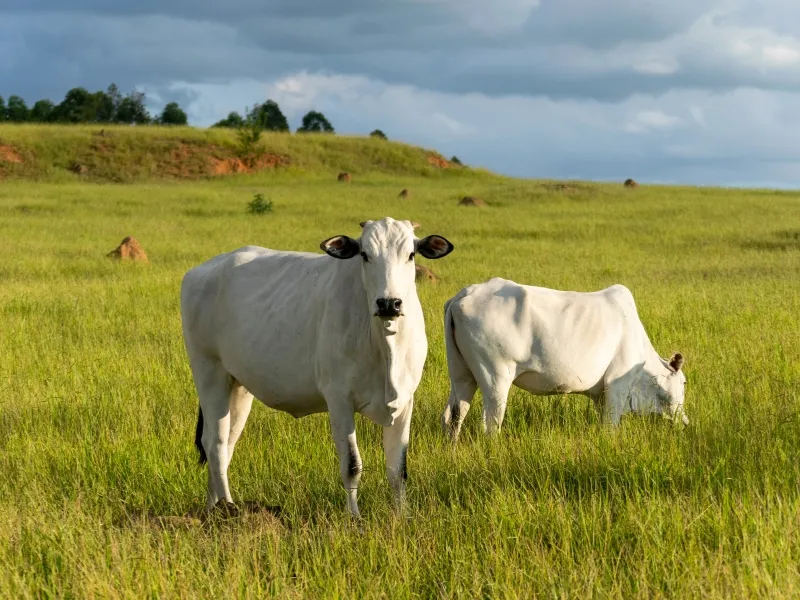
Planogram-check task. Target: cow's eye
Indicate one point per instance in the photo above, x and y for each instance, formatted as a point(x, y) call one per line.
point(364, 256)
point(411, 256)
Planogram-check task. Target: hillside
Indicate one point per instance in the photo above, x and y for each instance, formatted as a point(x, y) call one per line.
point(101, 153)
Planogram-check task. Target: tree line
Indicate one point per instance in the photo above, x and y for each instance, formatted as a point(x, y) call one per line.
point(111, 106)
point(82, 106)
point(269, 117)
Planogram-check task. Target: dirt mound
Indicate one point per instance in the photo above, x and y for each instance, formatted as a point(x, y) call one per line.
point(438, 161)
point(9, 154)
point(471, 201)
point(129, 249)
point(403, 193)
point(630, 183)
point(425, 274)
point(344, 176)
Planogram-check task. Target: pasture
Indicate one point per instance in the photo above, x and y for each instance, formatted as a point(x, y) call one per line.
point(98, 408)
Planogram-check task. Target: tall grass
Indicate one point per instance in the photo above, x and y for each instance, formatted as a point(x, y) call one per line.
point(97, 408)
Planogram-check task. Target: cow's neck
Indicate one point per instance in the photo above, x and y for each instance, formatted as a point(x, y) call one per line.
point(390, 346)
point(646, 392)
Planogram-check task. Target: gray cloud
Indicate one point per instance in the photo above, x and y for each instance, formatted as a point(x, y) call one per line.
point(572, 88)
point(604, 49)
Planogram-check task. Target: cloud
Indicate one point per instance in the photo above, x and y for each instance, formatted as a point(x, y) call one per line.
point(688, 137)
point(602, 49)
point(648, 120)
point(575, 88)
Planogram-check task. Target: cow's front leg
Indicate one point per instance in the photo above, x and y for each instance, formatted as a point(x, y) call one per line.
point(617, 398)
point(395, 447)
point(343, 429)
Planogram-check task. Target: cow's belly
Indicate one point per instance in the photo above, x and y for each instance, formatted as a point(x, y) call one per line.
point(291, 390)
point(545, 384)
point(296, 405)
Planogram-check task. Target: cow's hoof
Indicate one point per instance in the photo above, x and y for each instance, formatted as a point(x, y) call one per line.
point(223, 510)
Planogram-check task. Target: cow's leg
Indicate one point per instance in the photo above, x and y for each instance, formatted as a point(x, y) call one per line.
point(461, 393)
point(214, 389)
point(495, 386)
point(241, 403)
point(395, 448)
point(617, 393)
point(343, 429)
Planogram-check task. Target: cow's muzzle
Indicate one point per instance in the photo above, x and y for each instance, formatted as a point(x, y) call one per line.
point(389, 308)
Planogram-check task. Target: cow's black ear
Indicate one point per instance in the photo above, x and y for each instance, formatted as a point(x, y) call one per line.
point(340, 246)
point(434, 246)
point(676, 362)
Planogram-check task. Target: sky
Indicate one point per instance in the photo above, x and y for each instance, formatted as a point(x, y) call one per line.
point(700, 92)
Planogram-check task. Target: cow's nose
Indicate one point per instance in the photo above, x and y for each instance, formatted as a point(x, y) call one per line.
point(389, 307)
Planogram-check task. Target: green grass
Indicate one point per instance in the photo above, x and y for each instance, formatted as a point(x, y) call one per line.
point(144, 154)
point(98, 407)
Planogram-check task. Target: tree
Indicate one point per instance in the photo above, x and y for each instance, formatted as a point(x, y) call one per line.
point(42, 111)
point(76, 107)
point(115, 96)
point(377, 133)
point(16, 110)
point(102, 110)
point(269, 116)
point(132, 110)
point(455, 161)
point(2, 109)
point(234, 119)
point(173, 115)
point(314, 121)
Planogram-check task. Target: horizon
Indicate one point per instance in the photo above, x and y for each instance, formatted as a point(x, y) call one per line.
point(690, 93)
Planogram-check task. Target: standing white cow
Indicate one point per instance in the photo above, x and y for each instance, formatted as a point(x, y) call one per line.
point(548, 342)
point(305, 333)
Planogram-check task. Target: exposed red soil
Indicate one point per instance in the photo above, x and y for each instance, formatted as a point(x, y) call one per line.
point(438, 161)
point(9, 154)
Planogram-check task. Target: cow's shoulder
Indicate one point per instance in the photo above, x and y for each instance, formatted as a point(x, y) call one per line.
point(618, 294)
point(621, 300)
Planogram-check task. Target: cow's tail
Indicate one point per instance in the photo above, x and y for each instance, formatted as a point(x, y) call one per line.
point(457, 368)
point(198, 437)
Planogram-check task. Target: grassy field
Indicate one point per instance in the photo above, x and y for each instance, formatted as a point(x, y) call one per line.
point(98, 408)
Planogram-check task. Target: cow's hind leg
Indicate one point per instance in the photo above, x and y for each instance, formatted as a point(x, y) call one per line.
point(214, 387)
point(241, 402)
point(343, 429)
point(462, 392)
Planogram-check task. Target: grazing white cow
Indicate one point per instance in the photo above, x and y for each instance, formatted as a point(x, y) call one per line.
point(548, 342)
point(305, 333)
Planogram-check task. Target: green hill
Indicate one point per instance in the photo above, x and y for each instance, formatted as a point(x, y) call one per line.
point(101, 153)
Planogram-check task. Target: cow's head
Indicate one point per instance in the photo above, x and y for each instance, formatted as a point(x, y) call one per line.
point(386, 250)
point(672, 390)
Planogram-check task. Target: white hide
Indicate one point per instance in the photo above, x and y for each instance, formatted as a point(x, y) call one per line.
point(299, 332)
point(500, 333)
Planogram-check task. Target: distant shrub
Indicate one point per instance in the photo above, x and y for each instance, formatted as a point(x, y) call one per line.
point(455, 161)
point(259, 205)
point(315, 122)
point(377, 133)
point(173, 115)
point(249, 138)
point(233, 120)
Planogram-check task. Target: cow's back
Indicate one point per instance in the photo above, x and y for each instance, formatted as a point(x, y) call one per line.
point(555, 341)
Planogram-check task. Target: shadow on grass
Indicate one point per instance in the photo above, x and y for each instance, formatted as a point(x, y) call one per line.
point(780, 241)
point(245, 511)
